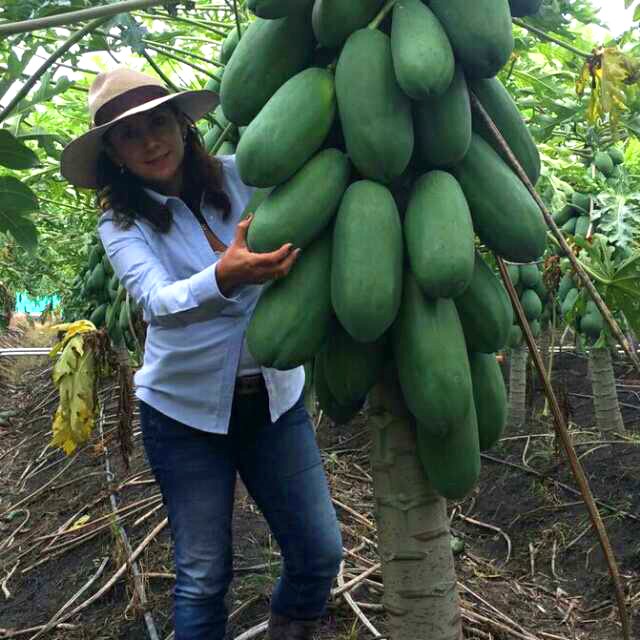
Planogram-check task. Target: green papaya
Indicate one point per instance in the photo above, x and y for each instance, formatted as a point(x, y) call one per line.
point(566, 284)
point(592, 324)
point(514, 274)
point(125, 314)
point(530, 275)
point(289, 130)
point(603, 163)
point(515, 336)
point(452, 463)
point(374, 112)
point(335, 20)
point(229, 45)
point(299, 209)
point(422, 56)
point(269, 53)
point(443, 125)
point(569, 226)
point(292, 317)
point(94, 257)
point(431, 359)
point(98, 315)
point(531, 304)
point(480, 33)
point(439, 235)
point(582, 227)
point(227, 148)
point(272, 9)
point(340, 414)
point(569, 301)
point(536, 328)
point(366, 269)
point(564, 215)
point(504, 112)
point(505, 215)
point(490, 398)
point(581, 203)
point(520, 8)
point(213, 84)
point(485, 310)
point(97, 279)
point(351, 367)
point(616, 155)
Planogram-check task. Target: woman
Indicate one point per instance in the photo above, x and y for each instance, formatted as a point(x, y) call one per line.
point(172, 231)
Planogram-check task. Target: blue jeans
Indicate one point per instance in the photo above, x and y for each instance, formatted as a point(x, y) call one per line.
point(281, 467)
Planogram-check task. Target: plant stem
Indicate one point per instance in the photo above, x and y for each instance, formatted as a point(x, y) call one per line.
point(545, 36)
point(29, 84)
point(182, 52)
point(180, 60)
point(375, 23)
point(107, 11)
point(194, 23)
point(160, 72)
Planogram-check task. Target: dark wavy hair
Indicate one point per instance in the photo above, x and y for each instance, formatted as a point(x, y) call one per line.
point(124, 193)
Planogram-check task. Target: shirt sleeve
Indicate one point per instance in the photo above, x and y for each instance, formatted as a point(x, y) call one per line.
point(165, 301)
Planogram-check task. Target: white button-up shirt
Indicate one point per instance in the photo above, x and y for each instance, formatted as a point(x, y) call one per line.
point(195, 334)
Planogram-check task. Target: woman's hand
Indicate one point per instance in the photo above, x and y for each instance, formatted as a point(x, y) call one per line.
point(238, 265)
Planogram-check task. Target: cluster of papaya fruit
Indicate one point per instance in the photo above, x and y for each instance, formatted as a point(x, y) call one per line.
point(577, 308)
point(360, 136)
point(103, 299)
point(608, 162)
point(575, 217)
point(529, 284)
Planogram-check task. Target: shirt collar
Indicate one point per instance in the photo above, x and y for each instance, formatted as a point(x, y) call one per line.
point(168, 200)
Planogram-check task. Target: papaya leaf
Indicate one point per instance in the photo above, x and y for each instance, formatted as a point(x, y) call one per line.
point(14, 154)
point(15, 198)
point(623, 293)
point(619, 218)
point(24, 231)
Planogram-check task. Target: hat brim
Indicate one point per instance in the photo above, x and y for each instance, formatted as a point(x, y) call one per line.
point(79, 159)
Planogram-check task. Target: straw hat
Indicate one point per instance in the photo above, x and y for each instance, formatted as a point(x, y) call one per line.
point(116, 95)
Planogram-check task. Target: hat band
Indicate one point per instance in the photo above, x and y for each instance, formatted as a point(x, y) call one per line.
point(128, 100)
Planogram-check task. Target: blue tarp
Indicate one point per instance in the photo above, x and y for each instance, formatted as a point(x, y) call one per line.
point(26, 304)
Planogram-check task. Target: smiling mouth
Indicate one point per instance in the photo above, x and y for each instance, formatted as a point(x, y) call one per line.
point(158, 159)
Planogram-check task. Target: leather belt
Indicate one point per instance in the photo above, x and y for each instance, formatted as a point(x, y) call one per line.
point(248, 385)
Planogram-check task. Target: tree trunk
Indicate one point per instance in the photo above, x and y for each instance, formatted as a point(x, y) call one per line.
point(605, 396)
point(518, 385)
point(420, 593)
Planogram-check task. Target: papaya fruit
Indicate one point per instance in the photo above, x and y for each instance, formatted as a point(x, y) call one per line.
point(489, 397)
point(504, 112)
point(569, 226)
point(515, 336)
point(272, 9)
point(485, 310)
point(335, 20)
point(581, 203)
point(582, 227)
point(229, 45)
point(269, 53)
point(531, 304)
point(520, 8)
point(566, 284)
point(366, 268)
point(339, 413)
point(451, 463)
point(351, 368)
point(480, 33)
point(569, 301)
point(98, 315)
point(616, 155)
point(514, 274)
point(443, 125)
point(374, 112)
point(505, 215)
point(288, 130)
point(299, 209)
point(592, 324)
point(422, 56)
point(430, 373)
point(292, 316)
point(439, 235)
point(603, 163)
point(530, 275)
point(564, 215)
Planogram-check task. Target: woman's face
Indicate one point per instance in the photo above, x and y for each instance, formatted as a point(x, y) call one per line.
point(150, 145)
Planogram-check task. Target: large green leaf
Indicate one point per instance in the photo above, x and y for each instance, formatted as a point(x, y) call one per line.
point(620, 218)
point(623, 293)
point(14, 154)
point(15, 198)
point(24, 231)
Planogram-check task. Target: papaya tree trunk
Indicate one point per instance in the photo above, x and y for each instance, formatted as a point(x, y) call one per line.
point(414, 542)
point(605, 396)
point(518, 385)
